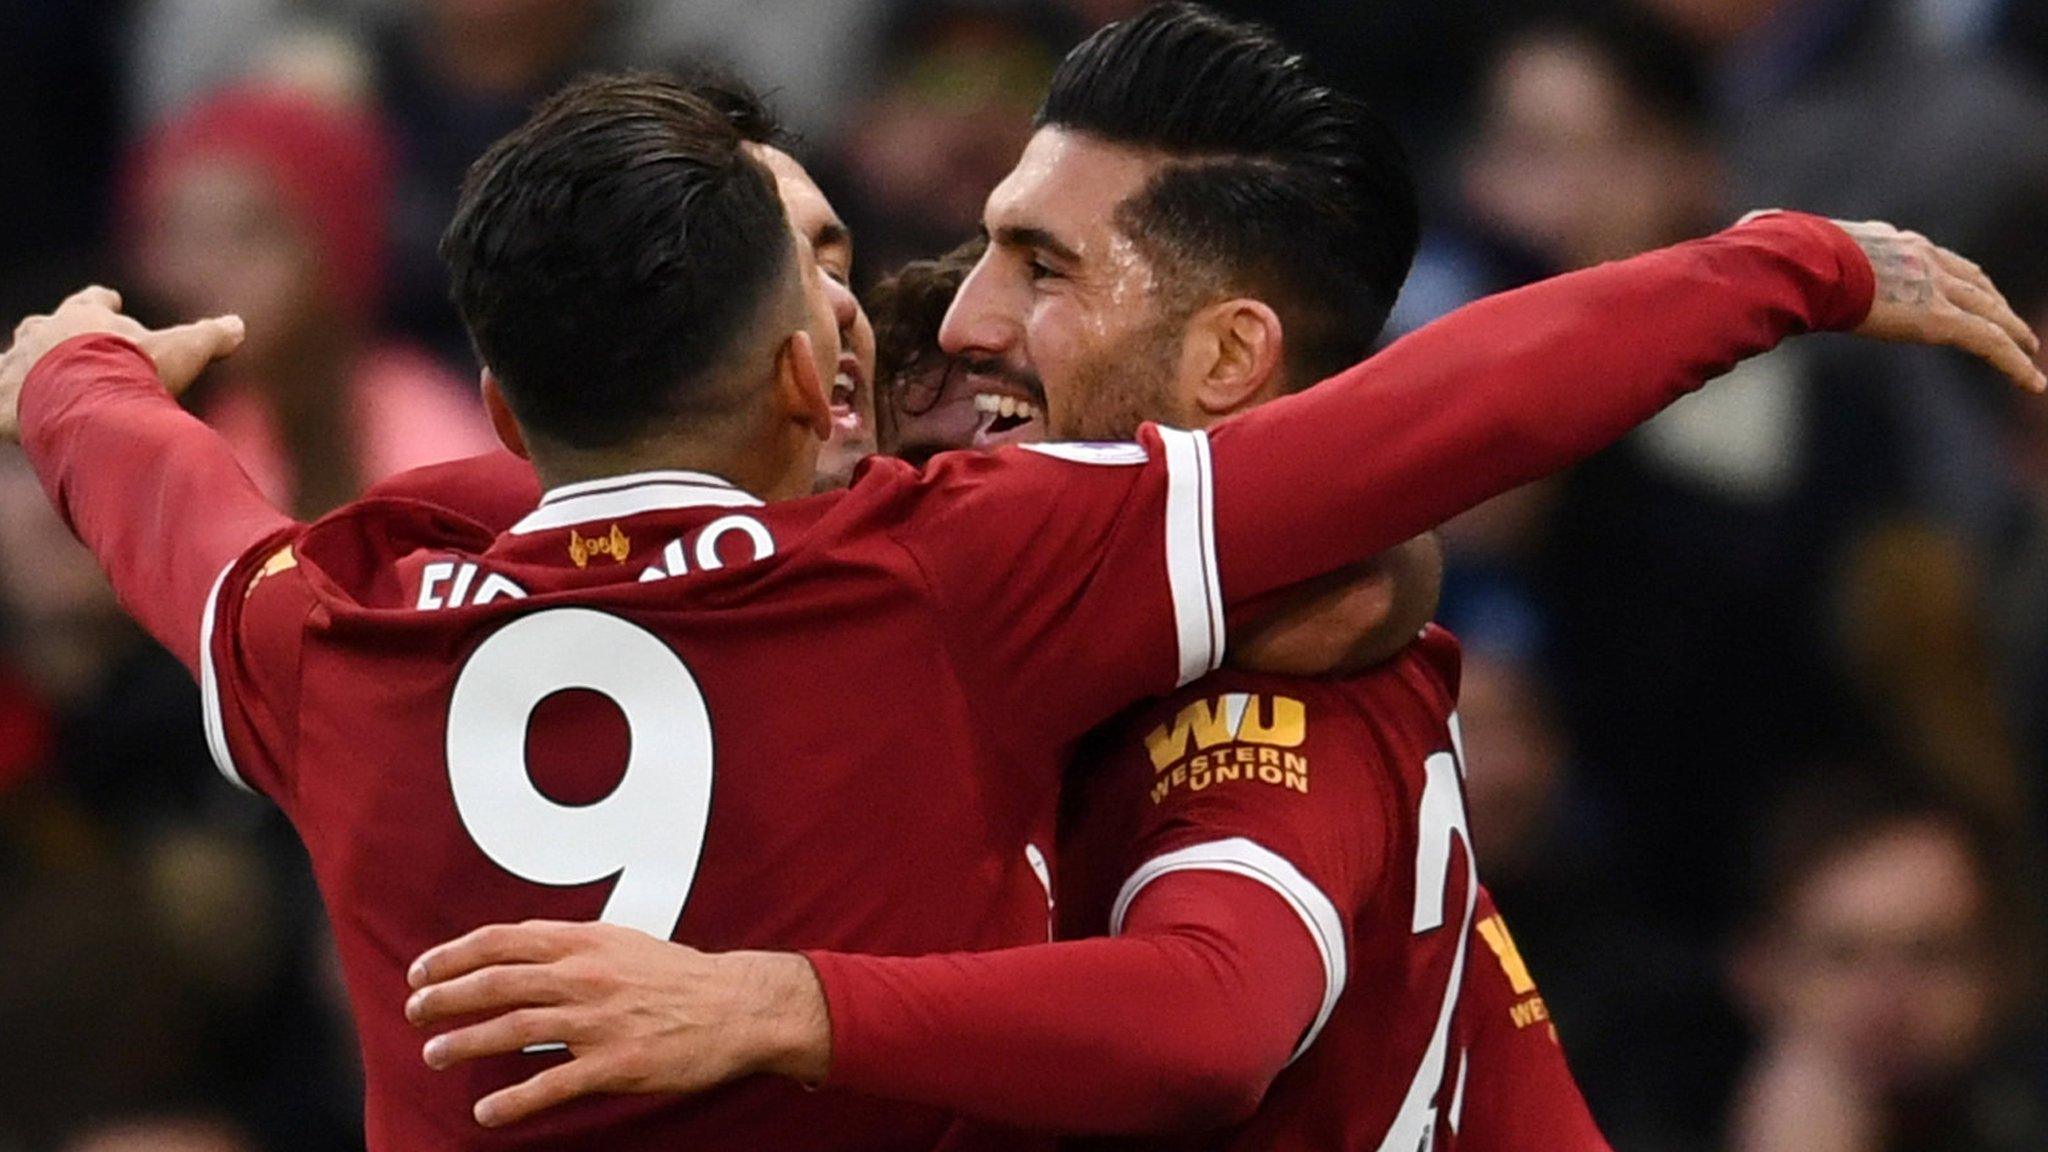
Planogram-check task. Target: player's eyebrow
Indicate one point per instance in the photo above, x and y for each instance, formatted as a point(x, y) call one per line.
point(1035, 238)
point(833, 234)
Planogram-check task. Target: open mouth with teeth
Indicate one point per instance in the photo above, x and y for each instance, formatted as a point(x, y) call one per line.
point(1004, 419)
point(845, 396)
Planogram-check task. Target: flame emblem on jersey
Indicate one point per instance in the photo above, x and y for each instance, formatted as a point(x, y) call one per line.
point(615, 545)
point(282, 560)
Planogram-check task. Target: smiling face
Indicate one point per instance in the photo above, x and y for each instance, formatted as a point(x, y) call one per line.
point(1064, 313)
point(853, 394)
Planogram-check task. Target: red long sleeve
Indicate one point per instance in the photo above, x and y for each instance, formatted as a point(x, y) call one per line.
point(1510, 389)
point(1178, 1024)
point(157, 496)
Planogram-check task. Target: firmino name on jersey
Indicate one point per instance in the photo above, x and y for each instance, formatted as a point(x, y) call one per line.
point(1238, 736)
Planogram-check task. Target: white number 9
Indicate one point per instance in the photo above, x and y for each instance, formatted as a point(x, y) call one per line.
point(649, 832)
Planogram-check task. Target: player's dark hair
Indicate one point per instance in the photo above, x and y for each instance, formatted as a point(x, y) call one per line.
point(748, 112)
point(907, 308)
point(1279, 186)
point(612, 254)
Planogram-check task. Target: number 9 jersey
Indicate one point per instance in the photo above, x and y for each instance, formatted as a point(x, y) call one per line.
point(837, 722)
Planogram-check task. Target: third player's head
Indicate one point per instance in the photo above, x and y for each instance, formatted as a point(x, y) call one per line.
point(1196, 226)
point(626, 268)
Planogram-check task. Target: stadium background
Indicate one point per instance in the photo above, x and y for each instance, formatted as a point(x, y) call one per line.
point(1757, 702)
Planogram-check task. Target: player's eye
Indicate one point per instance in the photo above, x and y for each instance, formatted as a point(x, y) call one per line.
point(1041, 271)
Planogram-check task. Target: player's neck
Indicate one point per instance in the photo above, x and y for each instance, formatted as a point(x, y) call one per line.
point(771, 471)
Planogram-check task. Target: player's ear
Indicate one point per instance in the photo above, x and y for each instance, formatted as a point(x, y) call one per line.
point(799, 389)
point(1238, 355)
point(502, 421)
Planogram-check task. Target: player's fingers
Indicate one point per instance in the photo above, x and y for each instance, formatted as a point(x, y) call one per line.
point(493, 989)
point(549, 1089)
point(1982, 302)
point(532, 942)
point(183, 352)
point(498, 1036)
point(1968, 272)
point(95, 295)
point(1993, 345)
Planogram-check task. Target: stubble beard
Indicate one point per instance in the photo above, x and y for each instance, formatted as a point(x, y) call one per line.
point(1126, 385)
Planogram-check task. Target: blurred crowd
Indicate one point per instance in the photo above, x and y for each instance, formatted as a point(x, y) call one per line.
point(1756, 702)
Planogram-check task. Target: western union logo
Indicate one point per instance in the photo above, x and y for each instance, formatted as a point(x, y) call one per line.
point(1233, 718)
point(614, 545)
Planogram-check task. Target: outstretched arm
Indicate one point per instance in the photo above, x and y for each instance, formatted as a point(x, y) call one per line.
point(156, 496)
point(1521, 385)
point(1499, 393)
point(1178, 1024)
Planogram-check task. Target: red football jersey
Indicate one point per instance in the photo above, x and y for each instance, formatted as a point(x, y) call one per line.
point(1519, 1091)
point(1347, 800)
point(657, 701)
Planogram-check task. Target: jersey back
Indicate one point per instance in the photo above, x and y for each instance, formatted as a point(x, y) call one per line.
point(1346, 798)
point(833, 723)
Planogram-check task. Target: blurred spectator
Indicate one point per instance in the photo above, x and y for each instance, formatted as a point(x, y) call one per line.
point(1852, 108)
point(89, 1000)
point(94, 704)
point(162, 1134)
point(808, 56)
point(451, 76)
point(2015, 609)
point(1687, 574)
point(180, 50)
point(270, 203)
point(959, 84)
point(1620, 984)
point(1888, 978)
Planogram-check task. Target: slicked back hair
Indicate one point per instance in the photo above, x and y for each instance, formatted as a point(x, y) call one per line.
point(1277, 186)
point(614, 257)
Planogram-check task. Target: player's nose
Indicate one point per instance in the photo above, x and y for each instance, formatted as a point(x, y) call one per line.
point(980, 321)
point(845, 307)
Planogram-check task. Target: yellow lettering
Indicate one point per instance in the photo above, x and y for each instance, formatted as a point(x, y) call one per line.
point(1205, 722)
point(1269, 773)
point(1228, 772)
point(1160, 790)
point(1495, 931)
point(1199, 782)
point(1530, 1011)
point(1269, 755)
point(1287, 728)
point(1298, 782)
point(1295, 762)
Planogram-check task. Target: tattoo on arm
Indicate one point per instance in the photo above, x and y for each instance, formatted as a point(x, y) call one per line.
point(1903, 277)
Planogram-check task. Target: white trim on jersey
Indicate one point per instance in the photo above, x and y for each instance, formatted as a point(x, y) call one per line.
point(617, 497)
point(1191, 552)
point(1111, 454)
point(211, 712)
point(1241, 857)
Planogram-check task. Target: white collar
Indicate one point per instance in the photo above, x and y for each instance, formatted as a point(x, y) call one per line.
point(617, 497)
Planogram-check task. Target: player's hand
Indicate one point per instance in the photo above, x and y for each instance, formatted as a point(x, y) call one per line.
point(1927, 294)
point(179, 353)
point(638, 1015)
